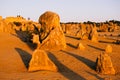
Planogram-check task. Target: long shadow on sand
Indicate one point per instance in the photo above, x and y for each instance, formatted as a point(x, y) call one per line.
point(107, 42)
point(73, 46)
point(96, 48)
point(92, 74)
point(88, 62)
point(25, 56)
point(24, 36)
point(73, 37)
point(66, 72)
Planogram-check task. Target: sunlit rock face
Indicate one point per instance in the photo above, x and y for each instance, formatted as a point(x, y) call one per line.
point(51, 34)
point(7, 27)
point(80, 46)
point(108, 49)
point(40, 61)
point(93, 36)
point(104, 64)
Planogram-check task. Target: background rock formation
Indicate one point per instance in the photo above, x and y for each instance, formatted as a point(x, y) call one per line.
point(80, 46)
point(108, 49)
point(83, 30)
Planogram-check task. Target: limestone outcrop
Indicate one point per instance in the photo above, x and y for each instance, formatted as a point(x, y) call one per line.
point(108, 49)
point(81, 47)
point(40, 61)
point(104, 64)
point(93, 35)
point(51, 34)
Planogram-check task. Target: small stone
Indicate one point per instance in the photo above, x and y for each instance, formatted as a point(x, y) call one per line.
point(81, 47)
point(36, 39)
point(108, 49)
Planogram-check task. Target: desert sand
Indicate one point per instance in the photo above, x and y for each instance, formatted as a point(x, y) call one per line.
point(72, 63)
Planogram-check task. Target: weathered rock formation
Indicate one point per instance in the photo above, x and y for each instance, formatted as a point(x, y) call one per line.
point(108, 49)
point(51, 34)
point(81, 47)
point(15, 19)
point(108, 27)
point(13, 24)
point(82, 33)
point(2, 26)
point(81, 30)
point(93, 35)
point(104, 64)
point(51, 37)
point(40, 61)
point(36, 39)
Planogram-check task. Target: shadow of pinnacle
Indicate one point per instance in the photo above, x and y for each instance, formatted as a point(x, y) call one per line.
point(25, 56)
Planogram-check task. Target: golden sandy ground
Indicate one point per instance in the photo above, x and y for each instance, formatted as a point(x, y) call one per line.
point(73, 63)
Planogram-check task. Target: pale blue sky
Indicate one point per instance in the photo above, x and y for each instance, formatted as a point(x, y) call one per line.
point(68, 10)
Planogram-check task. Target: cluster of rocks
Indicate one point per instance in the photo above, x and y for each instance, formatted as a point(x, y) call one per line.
point(48, 34)
point(51, 37)
point(16, 25)
point(108, 26)
point(80, 30)
point(103, 62)
point(86, 30)
point(83, 30)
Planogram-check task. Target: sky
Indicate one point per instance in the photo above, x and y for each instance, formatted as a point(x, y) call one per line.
point(68, 10)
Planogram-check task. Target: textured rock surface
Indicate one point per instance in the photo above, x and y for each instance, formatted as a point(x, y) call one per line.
point(40, 61)
point(81, 47)
point(51, 35)
point(2, 26)
point(104, 64)
point(108, 49)
point(94, 35)
point(36, 39)
point(84, 34)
